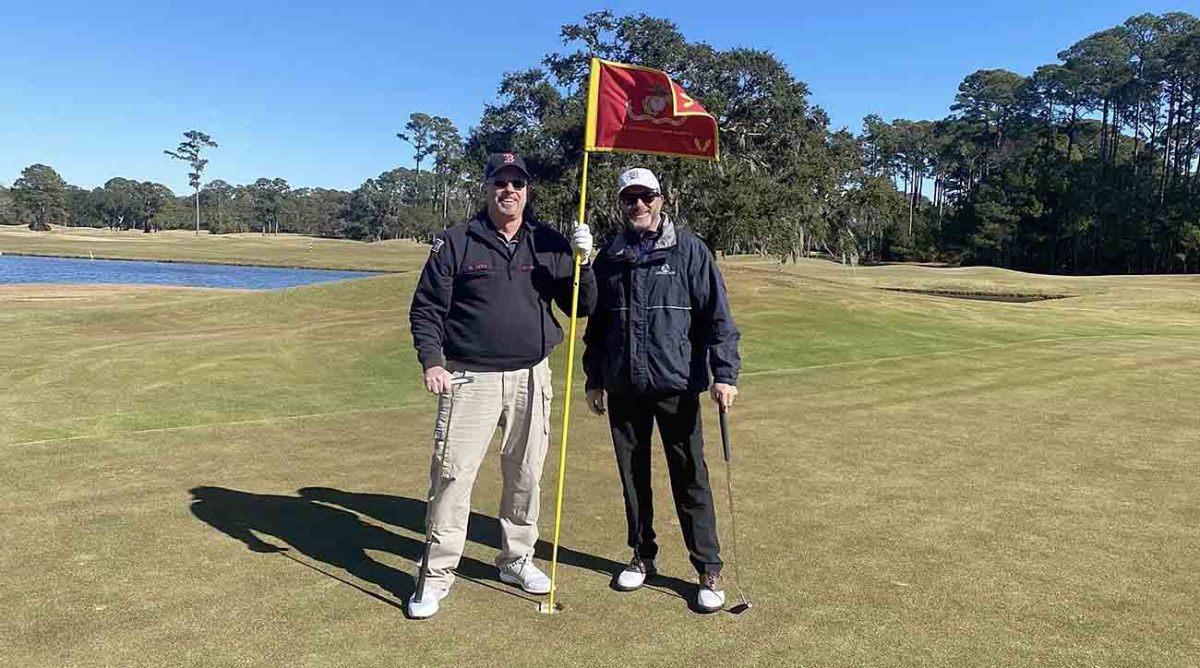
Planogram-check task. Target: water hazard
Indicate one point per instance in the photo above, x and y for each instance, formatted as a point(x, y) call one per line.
point(25, 269)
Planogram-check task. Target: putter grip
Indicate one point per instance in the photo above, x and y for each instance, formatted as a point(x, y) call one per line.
point(725, 436)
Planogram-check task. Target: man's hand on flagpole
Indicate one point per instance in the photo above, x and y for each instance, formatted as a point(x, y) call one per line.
point(582, 242)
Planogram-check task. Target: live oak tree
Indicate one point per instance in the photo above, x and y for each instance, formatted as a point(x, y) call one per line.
point(40, 197)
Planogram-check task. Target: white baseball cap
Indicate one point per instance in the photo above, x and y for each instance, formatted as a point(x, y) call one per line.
point(638, 176)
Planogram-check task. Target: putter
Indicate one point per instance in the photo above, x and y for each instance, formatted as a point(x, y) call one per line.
point(737, 576)
point(440, 439)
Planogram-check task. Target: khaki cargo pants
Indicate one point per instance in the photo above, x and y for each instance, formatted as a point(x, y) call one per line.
point(518, 402)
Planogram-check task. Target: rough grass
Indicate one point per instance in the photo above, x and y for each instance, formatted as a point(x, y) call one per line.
point(209, 478)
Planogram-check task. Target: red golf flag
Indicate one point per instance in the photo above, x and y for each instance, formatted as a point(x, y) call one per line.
point(634, 109)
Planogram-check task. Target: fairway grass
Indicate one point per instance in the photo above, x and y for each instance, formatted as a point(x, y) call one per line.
point(211, 478)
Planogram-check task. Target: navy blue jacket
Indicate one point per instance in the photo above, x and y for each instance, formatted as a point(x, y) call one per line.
point(479, 308)
point(662, 318)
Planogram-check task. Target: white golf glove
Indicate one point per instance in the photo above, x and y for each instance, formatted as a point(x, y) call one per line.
point(582, 242)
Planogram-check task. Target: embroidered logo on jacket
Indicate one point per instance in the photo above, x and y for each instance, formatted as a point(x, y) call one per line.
point(665, 270)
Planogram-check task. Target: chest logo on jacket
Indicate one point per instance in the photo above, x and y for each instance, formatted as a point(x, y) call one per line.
point(665, 270)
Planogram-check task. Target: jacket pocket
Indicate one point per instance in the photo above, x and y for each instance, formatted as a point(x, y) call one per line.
point(667, 348)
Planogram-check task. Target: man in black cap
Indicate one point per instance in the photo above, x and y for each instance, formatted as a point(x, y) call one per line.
point(483, 328)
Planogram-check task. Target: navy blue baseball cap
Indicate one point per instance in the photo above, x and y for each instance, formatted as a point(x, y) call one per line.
point(498, 161)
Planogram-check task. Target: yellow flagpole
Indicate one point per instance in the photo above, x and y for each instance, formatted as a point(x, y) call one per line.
point(566, 421)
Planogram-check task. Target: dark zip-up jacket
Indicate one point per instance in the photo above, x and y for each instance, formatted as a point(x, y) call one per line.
point(478, 308)
point(662, 318)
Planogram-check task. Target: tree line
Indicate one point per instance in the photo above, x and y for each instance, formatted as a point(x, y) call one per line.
point(1086, 165)
point(396, 204)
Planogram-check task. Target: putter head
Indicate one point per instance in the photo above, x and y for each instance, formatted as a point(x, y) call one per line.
point(545, 609)
point(739, 608)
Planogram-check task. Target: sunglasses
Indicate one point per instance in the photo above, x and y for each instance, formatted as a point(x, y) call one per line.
point(517, 184)
point(629, 199)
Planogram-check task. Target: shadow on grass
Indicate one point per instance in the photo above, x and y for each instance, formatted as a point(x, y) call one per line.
point(323, 524)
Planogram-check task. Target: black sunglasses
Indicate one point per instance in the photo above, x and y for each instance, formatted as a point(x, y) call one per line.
point(629, 199)
point(517, 184)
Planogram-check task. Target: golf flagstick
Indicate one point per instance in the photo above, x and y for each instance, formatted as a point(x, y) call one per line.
point(550, 607)
point(727, 449)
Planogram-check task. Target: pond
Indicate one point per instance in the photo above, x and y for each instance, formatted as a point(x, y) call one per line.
point(26, 269)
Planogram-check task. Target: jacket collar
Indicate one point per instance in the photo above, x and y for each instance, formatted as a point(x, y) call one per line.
point(624, 246)
point(482, 228)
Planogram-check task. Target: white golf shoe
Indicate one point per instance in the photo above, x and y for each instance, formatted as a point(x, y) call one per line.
point(711, 596)
point(635, 574)
point(525, 575)
point(428, 605)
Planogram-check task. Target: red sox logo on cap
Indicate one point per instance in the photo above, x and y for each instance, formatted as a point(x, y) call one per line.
point(509, 158)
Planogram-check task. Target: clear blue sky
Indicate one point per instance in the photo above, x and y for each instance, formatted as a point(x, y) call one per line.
point(314, 92)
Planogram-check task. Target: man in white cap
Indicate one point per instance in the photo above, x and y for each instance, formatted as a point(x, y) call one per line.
point(660, 326)
point(482, 313)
